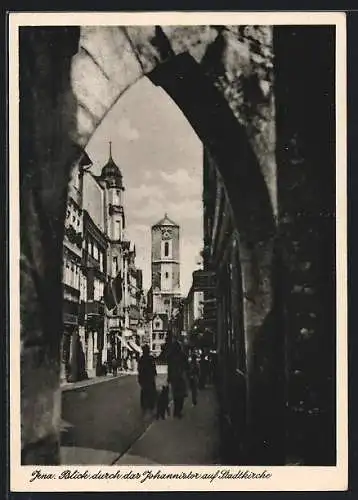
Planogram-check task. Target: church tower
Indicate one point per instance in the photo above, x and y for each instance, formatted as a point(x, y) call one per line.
point(165, 265)
point(165, 290)
point(111, 180)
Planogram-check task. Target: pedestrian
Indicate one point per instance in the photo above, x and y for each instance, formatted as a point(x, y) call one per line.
point(193, 378)
point(147, 373)
point(135, 363)
point(114, 366)
point(214, 365)
point(177, 374)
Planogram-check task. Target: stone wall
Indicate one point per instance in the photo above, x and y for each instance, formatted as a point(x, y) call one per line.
point(47, 109)
point(305, 97)
point(238, 59)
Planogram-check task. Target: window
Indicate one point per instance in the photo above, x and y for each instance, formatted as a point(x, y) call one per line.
point(157, 324)
point(115, 265)
point(95, 251)
point(166, 301)
point(161, 336)
point(154, 347)
point(166, 249)
point(117, 230)
point(98, 290)
point(167, 275)
point(116, 195)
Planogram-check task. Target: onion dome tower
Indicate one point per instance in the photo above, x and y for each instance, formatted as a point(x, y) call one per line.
point(111, 180)
point(111, 173)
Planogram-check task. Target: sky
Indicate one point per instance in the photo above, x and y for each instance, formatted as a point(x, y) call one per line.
point(161, 160)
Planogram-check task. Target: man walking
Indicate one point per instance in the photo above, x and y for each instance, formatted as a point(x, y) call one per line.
point(177, 372)
point(147, 373)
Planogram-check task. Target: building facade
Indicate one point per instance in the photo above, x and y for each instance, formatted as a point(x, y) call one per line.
point(73, 278)
point(193, 312)
point(103, 307)
point(95, 276)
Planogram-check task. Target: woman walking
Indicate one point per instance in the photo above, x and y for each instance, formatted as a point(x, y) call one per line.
point(146, 378)
point(177, 373)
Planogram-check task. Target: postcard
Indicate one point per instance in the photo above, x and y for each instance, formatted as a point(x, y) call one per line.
point(178, 255)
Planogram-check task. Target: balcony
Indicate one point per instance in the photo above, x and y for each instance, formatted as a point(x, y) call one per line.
point(74, 292)
point(90, 262)
point(114, 323)
point(94, 308)
point(70, 319)
point(73, 236)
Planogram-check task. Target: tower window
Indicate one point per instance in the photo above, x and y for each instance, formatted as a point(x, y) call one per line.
point(166, 249)
point(117, 228)
point(167, 275)
point(115, 265)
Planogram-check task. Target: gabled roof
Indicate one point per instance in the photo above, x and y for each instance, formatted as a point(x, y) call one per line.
point(165, 221)
point(163, 317)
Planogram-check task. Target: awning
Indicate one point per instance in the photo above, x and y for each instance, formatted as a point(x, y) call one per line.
point(125, 343)
point(135, 346)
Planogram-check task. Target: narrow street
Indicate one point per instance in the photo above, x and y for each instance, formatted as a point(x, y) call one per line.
point(102, 424)
point(100, 421)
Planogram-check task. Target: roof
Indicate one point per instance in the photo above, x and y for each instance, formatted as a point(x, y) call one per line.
point(165, 221)
point(111, 169)
point(163, 317)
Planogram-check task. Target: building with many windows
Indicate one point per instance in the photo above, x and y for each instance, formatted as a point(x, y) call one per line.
point(72, 275)
point(95, 276)
point(103, 296)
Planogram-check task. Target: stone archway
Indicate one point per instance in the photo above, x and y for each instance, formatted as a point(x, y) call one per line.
point(212, 74)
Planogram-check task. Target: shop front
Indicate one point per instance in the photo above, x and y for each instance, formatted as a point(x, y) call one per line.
point(71, 347)
point(94, 344)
